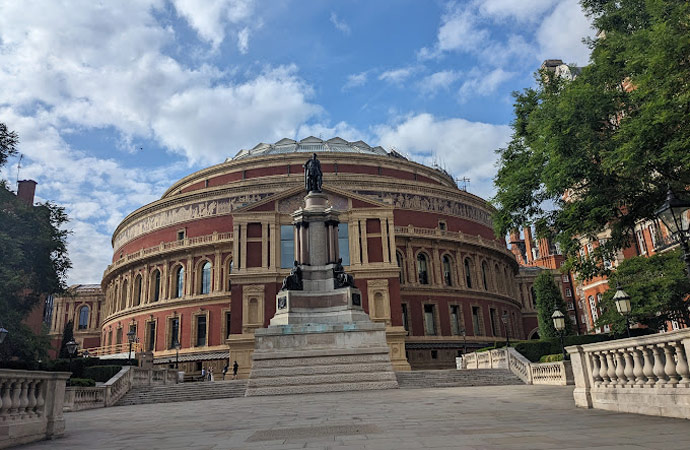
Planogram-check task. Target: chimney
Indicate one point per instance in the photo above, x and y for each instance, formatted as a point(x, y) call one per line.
point(528, 244)
point(26, 190)
point(544, 247)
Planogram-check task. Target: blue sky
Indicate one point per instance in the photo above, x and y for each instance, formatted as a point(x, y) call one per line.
point(114, 101)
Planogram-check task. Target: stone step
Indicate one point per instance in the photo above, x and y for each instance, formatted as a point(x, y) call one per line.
point(454, 378)
point(321, 379)
point(184, 392)
point(306, 369)
point(272, 359)
point(314, 388)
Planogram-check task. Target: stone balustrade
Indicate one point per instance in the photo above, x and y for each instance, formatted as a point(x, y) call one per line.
point(645, 375)
point(31, 406)
point(556, 373)
point(79, 398)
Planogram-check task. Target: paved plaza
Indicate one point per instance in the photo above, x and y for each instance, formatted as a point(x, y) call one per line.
point(499, 417)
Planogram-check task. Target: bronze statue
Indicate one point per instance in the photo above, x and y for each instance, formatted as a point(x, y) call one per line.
point(313, 178)
point(340, 278)
point(293, 282)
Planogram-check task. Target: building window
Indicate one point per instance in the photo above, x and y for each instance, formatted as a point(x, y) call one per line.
point(442, 225)
point(568, 292)
point(230, 267)
point(405, 317)
point(468, 272)
point(83, 317)
point(287, 246)
point(118, 336)
point(206, 278)
point(180, 235)
point(447, 278)
point(565, 278)
point(641, 242)
point(434, 354)
point(200, 331)
point(151, 340)
point(174, 332)
point(422, 270)
point(110, 337)
point(137, 291)
point(179, 282)
point(476, 321)
point(399, 259)
point(485, 280)
point(123, 303)
point(429, 324)
point(344, 243)
point(455, 327)
point(156, 285)
point(493, 318)
point(227, 324)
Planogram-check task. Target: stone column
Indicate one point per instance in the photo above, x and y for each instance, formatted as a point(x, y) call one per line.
point(363, 231)
point(275, 245)
point(217, 270)
point(189, 275)
point(354, 243)
point(243, 245)
point(264, 245)
point(236, 246)
point(385, 244)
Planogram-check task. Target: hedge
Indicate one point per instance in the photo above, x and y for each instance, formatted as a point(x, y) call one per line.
point(81, 382)
point(101, 373)
point(551, 358)
point(79, 365)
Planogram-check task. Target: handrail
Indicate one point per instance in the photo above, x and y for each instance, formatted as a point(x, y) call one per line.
point(112, 349)
point(556, 373)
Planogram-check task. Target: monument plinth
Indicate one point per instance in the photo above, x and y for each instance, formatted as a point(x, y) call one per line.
point(320, 339)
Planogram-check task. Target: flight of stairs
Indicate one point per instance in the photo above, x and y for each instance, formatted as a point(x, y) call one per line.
point(419, 379)
point(184, 392)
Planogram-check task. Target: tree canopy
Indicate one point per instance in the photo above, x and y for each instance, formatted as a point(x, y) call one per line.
point(33, 262)
point(657, 287)
point(548, 300)
point(600, 151)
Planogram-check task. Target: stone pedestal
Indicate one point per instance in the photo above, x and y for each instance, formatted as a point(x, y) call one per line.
point(320, 339)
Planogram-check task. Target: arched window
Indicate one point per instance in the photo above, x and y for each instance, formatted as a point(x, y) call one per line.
point(206, 278)
point(179, 282)
point(156, 285)
point(447, 277)
point(399, 259)
point(113, 304)
point(534, 296)
point(468, 272)
point(123, 303)
point(422, 269)
point(485, 280)
point(499, 280)
point(230, 267)
point(137, 291)
point(83, 317)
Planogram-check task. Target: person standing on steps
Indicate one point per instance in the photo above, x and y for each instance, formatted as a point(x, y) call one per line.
point(235, 367)
point(225, 370)
point(203, 374)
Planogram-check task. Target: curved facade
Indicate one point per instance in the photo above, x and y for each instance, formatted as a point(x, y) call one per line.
point(203, 264)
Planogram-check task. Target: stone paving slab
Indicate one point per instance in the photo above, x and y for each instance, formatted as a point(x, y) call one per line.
point(474, 418)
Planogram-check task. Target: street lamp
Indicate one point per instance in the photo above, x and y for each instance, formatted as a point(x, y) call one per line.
point(3, 334)
point(131, 336)
point(177, 354)
point(622, 300)
point(671, 214)
point(71, 351)
point(559, 324)
point(504, 319)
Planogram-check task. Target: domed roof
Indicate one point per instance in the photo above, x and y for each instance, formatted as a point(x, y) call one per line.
point(312, 145)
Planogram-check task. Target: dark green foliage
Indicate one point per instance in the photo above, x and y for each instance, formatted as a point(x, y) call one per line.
point(613, 149)
point(657, 287)
point(33, 262)
point(81, 382)
point(101, 373)
point(551, 358)
point(67, 335)
point(548, 300)
point(534, 350)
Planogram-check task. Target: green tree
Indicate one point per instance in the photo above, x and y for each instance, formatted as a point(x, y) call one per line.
point(611, 141)
point(657, 287)
point(549, 299)
point(33, 262)
point(67, 335)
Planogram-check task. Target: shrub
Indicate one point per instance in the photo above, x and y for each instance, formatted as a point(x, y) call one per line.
point(82, 382)
point(101, 373)
point(551, 358)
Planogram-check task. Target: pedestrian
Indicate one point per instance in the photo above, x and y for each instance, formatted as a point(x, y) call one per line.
point(235, 367)
point(203, 374)
point(210, 374)
point(225, 370)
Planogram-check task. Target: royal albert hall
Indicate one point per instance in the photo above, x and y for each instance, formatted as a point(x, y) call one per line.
point(196, 272)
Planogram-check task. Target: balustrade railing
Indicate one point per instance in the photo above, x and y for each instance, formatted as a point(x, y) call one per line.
point(626, 369)
point(556, 373)
point(30, 406)
point(113, 349)
point(457, 236)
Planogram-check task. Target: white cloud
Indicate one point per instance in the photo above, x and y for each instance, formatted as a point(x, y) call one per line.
point(339, 24)
point(325, 132)
point(480, 83)
point(459, 31)
point(243, 40)
point(560, 34)
point(463, 147)
point(397, 76)
point(523, 10)
point(355, 80)
point(438, 81)
point(209, 18)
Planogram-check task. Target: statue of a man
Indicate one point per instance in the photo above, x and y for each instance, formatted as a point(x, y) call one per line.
point(313, 177)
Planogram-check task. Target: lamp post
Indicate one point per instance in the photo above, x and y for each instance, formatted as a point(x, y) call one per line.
point(131, 335)
point(559, 324)
point(177, 354)
point(3, 334)
point(464, 341)
point(504, 319)
point(622, 300)
point(71, 351)
point(671, 214)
